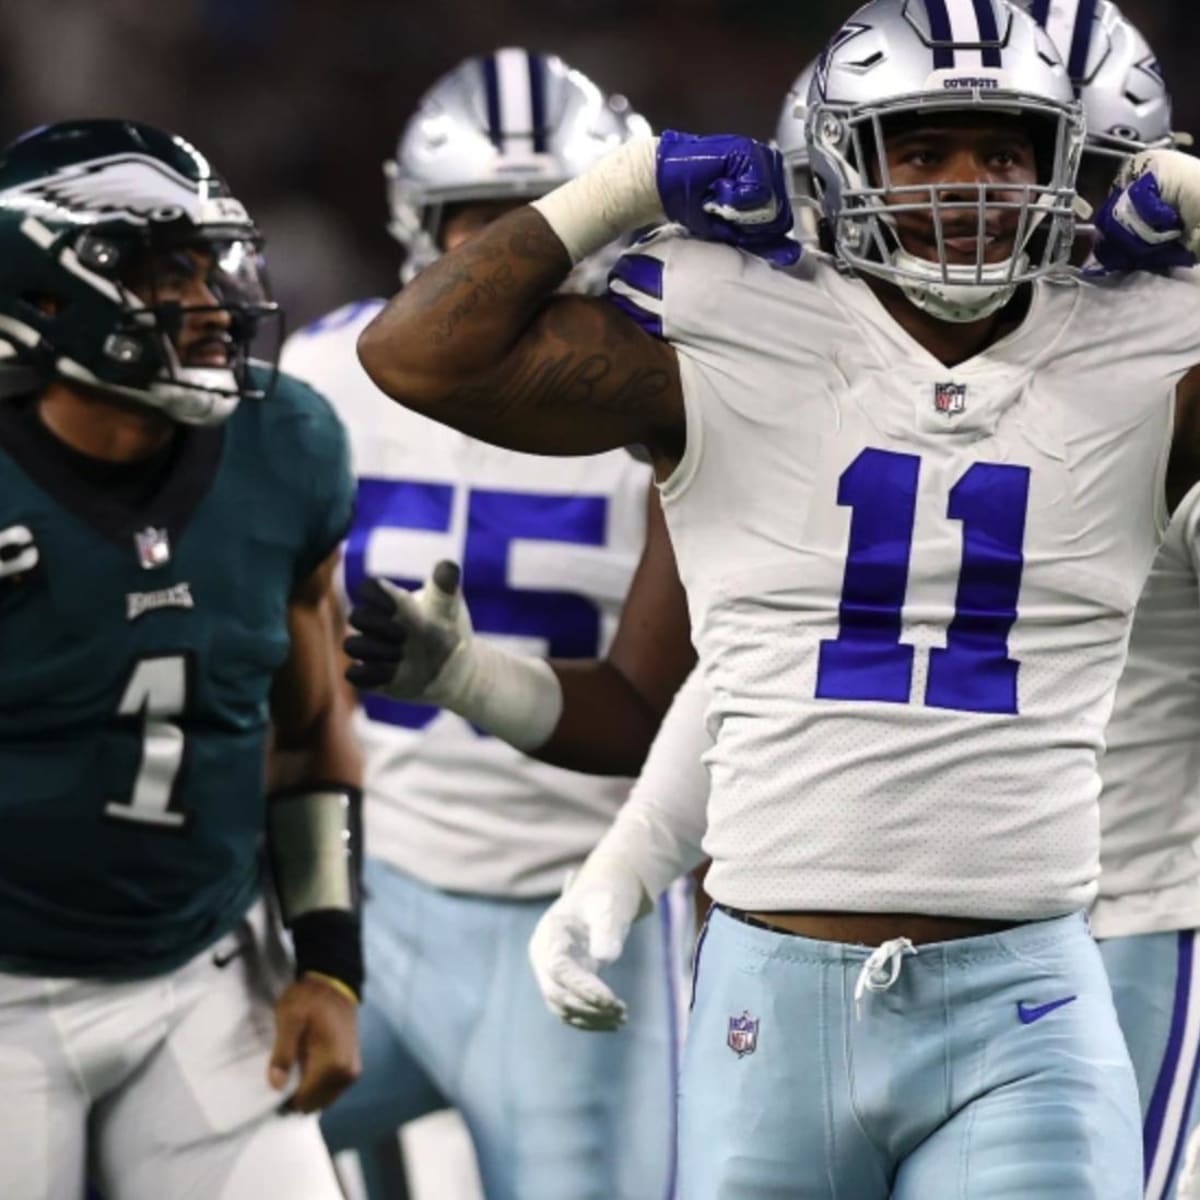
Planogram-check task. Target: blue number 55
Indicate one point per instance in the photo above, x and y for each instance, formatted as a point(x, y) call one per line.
point(568, 622)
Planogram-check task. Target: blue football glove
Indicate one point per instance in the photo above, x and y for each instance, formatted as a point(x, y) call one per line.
point(728, 189)
point(1152, 221)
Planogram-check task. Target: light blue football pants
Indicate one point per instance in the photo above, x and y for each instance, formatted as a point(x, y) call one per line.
point(970, 1077)
point(1155, 979)
point(452, 1016)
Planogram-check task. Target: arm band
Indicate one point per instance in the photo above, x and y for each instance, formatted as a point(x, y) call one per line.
point(314, 844)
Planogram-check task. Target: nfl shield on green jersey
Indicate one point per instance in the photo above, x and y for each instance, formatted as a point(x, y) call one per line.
point(139, 650)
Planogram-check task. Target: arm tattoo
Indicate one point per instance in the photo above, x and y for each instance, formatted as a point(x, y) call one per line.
point(566, 382)
point(480, 340)
point(493, 287)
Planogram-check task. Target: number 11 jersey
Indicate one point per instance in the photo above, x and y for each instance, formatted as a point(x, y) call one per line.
point(910, 584)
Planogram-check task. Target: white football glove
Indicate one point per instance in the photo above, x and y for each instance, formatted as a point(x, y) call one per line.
point(582, 931)
point(655, 839)
point(419, 647)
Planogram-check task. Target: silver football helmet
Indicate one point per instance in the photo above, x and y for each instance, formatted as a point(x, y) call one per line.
point(507, 125)
point(919, 59)
point(1115, 72)
point(792, 140)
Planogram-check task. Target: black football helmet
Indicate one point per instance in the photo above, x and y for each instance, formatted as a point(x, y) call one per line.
point(89, 213)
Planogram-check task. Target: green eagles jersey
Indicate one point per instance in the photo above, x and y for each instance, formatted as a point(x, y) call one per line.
point(137, 651)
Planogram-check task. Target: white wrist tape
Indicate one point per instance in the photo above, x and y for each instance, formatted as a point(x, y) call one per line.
point(517, 699)
point(618, 194)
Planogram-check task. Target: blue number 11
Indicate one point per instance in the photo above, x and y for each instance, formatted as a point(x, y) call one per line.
point(867, 660)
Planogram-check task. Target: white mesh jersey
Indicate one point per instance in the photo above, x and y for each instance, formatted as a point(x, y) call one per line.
point(548, 548)
point(1150, 805)
point(910, 585)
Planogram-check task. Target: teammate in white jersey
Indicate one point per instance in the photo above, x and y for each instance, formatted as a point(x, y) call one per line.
point(1149, 903)
point(914, 491)
point(469, 839)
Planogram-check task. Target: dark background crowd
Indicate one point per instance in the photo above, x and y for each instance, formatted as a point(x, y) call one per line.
point(298, 102)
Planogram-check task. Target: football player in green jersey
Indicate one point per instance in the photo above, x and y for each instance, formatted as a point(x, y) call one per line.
point(170, 513)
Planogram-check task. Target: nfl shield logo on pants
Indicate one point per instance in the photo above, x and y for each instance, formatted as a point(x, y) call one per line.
point(743, 1035)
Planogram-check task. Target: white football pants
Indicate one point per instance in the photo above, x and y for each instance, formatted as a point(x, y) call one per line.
point(156, 1089)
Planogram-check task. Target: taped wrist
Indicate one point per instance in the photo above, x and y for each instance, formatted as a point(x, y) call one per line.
point(314, 846)
point(514, 698)
point(618, 194)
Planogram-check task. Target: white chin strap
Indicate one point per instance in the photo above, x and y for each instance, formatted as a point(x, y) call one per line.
point(198, 396)
point(209, 400)
point(960, 294)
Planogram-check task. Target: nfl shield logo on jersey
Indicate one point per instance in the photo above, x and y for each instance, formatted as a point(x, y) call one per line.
point(743, 1035)
point(949, 399)
point(153, 547)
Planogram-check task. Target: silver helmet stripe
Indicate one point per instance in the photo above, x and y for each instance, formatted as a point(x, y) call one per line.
point(1069, 24)
point(1060, 21)
point(964, 33)
point(515, 85)
point(942, 33)
point(970, 23)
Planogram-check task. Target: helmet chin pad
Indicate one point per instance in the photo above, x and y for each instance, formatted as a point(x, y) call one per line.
point(958, 295)
point(198, 396)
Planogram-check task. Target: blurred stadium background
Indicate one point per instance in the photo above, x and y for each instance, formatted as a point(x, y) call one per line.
point(299, 101)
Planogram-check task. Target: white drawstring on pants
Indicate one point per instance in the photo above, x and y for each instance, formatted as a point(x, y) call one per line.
point(881, 970)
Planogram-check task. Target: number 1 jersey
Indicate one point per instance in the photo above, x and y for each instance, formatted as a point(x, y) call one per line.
point(138, 647)
point(910, 584)
point(548, 548)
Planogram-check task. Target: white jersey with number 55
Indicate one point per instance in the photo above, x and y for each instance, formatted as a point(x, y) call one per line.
point(548, 547)
point(910, 584)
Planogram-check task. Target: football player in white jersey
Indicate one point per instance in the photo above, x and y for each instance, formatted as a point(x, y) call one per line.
point(914, 490)
point(1119, 80)
point(1148, 908)
point(1146, 912)
point(469, 839)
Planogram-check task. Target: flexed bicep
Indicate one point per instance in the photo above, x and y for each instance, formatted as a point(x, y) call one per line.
point(480, 341)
